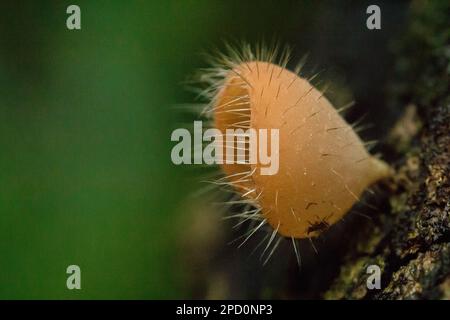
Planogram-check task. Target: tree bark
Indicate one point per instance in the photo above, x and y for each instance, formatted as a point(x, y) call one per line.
point(410, 242)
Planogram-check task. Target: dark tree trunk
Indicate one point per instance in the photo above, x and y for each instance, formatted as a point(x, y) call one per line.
point(411, 240)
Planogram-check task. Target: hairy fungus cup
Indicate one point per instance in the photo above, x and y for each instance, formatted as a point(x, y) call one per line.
point(324, 166)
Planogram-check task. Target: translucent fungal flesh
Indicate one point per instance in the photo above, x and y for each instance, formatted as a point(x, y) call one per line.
point(323, 164)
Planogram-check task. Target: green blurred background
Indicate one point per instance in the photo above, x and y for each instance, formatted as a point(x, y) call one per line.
point(85, 122)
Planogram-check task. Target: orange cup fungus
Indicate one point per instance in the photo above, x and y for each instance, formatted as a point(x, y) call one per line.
point(324, 166)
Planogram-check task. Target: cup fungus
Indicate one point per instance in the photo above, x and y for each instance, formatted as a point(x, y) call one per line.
point(324, 166)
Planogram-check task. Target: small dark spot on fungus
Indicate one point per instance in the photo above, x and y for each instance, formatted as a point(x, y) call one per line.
point(319, 226)
point(310, 204)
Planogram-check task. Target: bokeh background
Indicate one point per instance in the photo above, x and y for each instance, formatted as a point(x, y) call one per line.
point(85, 123)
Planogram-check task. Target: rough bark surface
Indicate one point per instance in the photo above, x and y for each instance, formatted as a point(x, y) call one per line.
point(411, 240)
